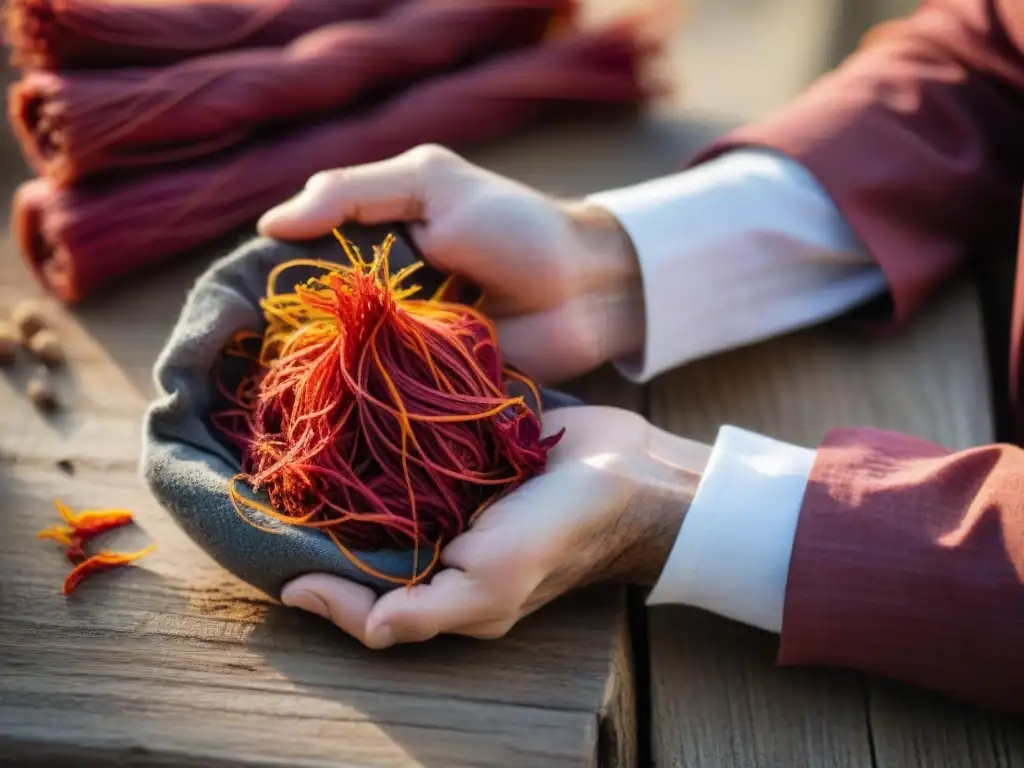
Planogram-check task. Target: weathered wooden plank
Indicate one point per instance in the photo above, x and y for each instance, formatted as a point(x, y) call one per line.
point(914, 728)
point(929, 380)
point(316, 727)
point(719, 700)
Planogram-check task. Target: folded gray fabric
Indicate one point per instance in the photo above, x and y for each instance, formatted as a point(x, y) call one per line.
point(188, 467)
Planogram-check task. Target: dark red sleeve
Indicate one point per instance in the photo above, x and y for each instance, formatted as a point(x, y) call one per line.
point(908, 562)
point(918, 138)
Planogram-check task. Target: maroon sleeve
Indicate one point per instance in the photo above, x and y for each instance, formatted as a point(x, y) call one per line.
point(908, 562)
point(918, 138)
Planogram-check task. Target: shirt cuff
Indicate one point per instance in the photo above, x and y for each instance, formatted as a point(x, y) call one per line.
point(733, 550)
point(742, 248)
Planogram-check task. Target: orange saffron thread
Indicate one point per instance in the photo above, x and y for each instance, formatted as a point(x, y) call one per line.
point(79, 529)
point(103, 561)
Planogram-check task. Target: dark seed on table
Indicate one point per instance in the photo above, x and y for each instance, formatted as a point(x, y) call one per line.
point(41, 392)
point(9, 343)
point(30, 318)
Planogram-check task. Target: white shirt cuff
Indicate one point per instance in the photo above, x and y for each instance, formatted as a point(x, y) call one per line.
point(733, 550)
point(734, 251)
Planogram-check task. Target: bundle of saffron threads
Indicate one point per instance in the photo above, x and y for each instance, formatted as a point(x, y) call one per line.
point(381, 418)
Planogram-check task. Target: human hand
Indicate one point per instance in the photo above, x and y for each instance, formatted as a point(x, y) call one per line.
point(560, 280)
point(608, 507)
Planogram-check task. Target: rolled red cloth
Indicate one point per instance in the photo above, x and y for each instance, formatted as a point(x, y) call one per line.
point(79, 239)
point(74, 125)
point(75, 34)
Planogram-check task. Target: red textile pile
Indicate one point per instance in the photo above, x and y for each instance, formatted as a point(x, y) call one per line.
point(78, 34)
point(75, 125)
point(216, 140)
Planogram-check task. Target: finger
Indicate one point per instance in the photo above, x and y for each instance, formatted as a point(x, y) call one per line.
point(449, 602)
point(389, 190)
point(343, 602)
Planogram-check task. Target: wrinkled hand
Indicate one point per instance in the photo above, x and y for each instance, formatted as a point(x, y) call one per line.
point(609, 506)
point(560, 280)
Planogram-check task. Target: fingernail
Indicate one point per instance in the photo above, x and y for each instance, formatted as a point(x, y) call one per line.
point(306, 601)
point(290, 207)
point(381, 636)
point(276, 213)
point(267, 219)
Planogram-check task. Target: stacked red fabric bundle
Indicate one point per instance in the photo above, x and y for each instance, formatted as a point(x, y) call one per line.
point(79, 124)
point(212, 141)
point(78, 34)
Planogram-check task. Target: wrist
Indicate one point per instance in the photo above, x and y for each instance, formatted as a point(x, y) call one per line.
point(608, 284)
point(665, 479)
point(609, 261)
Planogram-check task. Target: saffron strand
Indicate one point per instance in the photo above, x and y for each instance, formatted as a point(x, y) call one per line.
point(102, 561)
point(81, 528)
point(376, 417)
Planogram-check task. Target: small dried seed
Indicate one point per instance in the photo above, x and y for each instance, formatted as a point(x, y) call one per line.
point(30, 318)
point(47, 348)
point(9, 343)
point(42, 392)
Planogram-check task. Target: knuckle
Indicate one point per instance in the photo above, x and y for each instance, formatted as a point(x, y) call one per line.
point(325, 178)
point(431, 157)
point(415, 629)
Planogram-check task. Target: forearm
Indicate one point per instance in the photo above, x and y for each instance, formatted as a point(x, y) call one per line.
point(733, 552)
point(667, 475)
point(731, 253)
point(611, 282)
point(908, 561)
point(877, 552)
point(917, 139)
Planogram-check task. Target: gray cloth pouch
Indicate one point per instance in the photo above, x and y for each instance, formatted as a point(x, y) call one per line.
point(186, 462)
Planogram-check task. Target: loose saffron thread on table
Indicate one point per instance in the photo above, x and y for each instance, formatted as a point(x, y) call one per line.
point(81, 528)
point(102, 561)
point(375, 416)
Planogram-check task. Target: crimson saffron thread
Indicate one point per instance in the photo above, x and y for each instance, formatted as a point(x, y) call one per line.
point(378, 417)
point(79, 530)
point(102, 561)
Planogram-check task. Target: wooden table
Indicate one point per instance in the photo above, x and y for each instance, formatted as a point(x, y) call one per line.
point(176, 663)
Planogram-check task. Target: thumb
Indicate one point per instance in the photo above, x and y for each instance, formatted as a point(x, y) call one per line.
point(338, 600)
